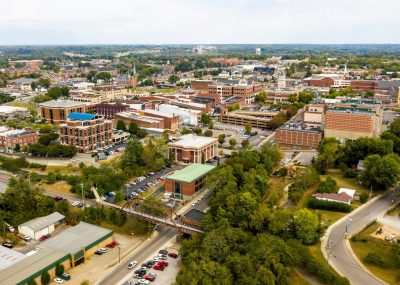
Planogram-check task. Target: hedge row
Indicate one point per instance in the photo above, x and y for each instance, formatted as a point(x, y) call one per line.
point(329, 205)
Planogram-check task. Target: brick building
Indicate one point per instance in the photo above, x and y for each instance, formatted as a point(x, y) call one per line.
point(141, 121)
point(184, 183)
point(108, 110)
point(56, 111)
point(193, 149)
point(257, 119)
point(297, 136)
point(9, 139)
point(352, 119)
point(86, 131)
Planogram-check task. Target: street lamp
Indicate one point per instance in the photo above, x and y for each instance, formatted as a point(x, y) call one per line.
point(329, 247)
point(119, 254)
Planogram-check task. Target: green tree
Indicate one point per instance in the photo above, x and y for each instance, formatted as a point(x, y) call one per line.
point(133, 128)
point(306, 96)
point(248, 128)
point(233, 142)
point(381, 172)
point(173, 78)
point(121, 125)
point(60, 269)
point(45, 278)
point(197, 131)
point(185, 131)
point(34, 177)
point(261, 97)
point(211, 124)
point(17, 148)
point(245, 143)
point(221, 138)
point(208, 133)
point(132, 159)
point(51, 178)
point(205, 118)
point(328, 186)
point(184, 66)
point(307, 226)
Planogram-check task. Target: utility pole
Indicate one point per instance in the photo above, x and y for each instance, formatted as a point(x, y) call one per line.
point(83, 196)
point(370, 196)
point(329, 247)
point(119, 254)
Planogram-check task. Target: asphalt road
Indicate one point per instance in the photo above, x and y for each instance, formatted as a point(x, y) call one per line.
point(141, 255)
point(340, 256)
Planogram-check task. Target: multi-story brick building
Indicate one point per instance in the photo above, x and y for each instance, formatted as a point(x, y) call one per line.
point(108, 110)
point(193, 149)
point(86, 131)
point(9, 139)
point(56, 111)
point(297, 136)
point(141, 121)
point(184, 183)
point(352, 119)
point(280, 95)
point(258, 119)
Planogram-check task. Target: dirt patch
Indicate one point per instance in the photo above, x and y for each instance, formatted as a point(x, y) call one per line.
point(384, 232)
point(61, 187)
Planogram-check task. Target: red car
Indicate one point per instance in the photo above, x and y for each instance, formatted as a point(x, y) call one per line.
point(158, 267)
point(173, 255)
point(149, 277)
point(162, 263)
point(44, 237)
point(112, 244)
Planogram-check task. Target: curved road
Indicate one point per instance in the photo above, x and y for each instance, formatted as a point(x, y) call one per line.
point(339, 255)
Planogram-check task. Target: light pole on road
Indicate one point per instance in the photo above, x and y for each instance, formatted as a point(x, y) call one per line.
point(347, 225)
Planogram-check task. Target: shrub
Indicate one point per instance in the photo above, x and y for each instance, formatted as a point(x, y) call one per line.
point(45, 278)
point(32, 282)
point(328, 186)
point(296, 192)
point(350, 173)
point(375, 259)
point(59, 269)
point(364, 197)
point(329, 205)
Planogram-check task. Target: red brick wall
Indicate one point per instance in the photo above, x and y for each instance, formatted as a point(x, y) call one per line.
point(290, 138)
point(349, 122)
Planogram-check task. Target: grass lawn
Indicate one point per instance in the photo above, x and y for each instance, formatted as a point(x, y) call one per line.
point(69, 169)
point(29, 106)
point(368, 244)
point(61, 187)
point(329, 217)
point(297, 279)
point(131, 225)
point(277, 184)
point(317, 253)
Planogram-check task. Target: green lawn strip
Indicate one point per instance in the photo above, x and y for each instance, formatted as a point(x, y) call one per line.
point(365, 244)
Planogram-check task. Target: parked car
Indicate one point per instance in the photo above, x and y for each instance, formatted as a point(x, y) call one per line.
point(103, 249)
point(58, 280)
point(149, 278)
point(132, 264)
point(162, 256)
point(112, 244)
point(162, 263)
point(24, 237)
point(58, 198)
point(98, 252)
point(44, 237)
point(163, 251)
point(7, 244)
point(144, 281)
point(158, 267)
point(65, 276)
point(173, 255)
point(127, 282)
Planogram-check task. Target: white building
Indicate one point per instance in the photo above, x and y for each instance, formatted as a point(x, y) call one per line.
point(187, 116)
point(40, 226)
point(8, 257)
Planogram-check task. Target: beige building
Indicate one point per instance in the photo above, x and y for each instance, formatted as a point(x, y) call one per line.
point(193, 149)
point(56, 111)
point(86, 131)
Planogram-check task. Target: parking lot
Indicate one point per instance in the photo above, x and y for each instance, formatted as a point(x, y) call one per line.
point(164, 277)
point(238, 133)
point(150, 181)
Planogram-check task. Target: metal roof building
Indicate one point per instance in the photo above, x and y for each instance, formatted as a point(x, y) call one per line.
point(8, 257)
point(40, 226)
point(191, 172)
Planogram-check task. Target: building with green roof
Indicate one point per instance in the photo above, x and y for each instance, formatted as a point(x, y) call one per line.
point(184, 183)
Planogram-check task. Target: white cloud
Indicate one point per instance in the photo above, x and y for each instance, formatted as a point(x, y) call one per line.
point(198, 21)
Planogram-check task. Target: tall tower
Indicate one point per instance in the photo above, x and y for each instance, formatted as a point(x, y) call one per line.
point(258, 51)
point(282, 79)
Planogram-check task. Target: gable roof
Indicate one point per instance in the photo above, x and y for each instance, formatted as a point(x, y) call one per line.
point(191, 172)
point(42, 222)
point(342, 197)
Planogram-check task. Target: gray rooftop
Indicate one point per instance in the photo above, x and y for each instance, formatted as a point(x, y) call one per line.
point(9, 257)
point(30, 265)
point(61, 103)
point(43, 222)
point(73, 239)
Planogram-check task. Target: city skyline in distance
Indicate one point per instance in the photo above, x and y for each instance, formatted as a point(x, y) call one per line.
point(42, 22)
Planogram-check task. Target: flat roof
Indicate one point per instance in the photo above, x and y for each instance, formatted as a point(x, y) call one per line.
point(73, 239)
point(191, 172)
point(43, 222)
point(81, 116)
point(195, 215)
point(29, 266)
point(8, 257)
point(61, 103)
point(193, 141)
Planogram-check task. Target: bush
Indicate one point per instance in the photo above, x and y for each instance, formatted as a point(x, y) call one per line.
point(329, 206)
point(32, 282)
point(37, 165)
point(45, 278)
point(350, 173)
point(375, 259)
point(364, 197)
point(59, 269)
point(296, 192)
point(328, 186)
point(282, 172)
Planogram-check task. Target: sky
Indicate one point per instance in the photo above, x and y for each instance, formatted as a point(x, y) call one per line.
point(198, 21)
